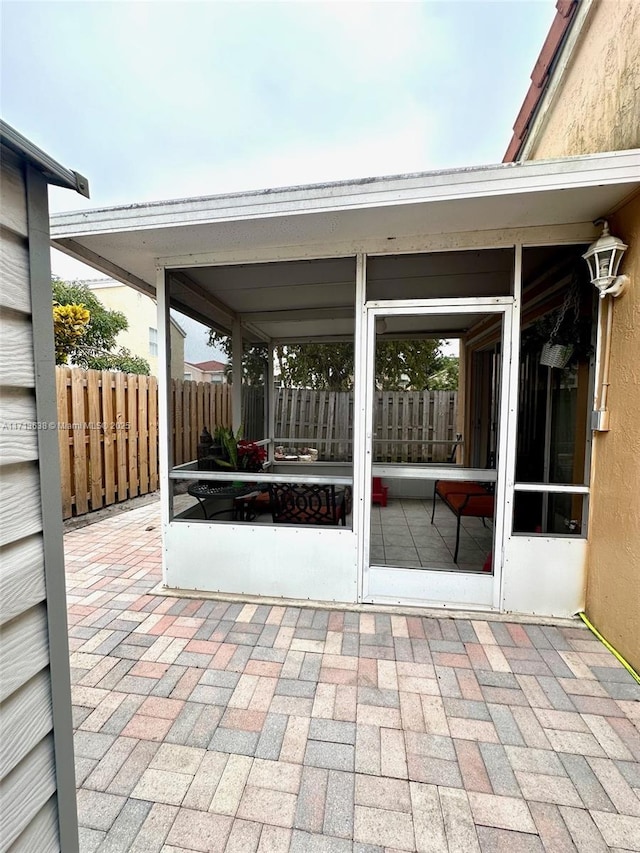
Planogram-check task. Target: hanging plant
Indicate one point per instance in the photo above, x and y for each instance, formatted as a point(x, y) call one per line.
point(564, 336)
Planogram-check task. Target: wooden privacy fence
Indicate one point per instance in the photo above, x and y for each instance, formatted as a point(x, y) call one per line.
point(409, 426)
point(108, 428)
point(108, 432)
point(414, 426)
point(194, 405)
point(108, 436)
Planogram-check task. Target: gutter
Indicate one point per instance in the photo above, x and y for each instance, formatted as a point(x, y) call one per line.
point(53, 172)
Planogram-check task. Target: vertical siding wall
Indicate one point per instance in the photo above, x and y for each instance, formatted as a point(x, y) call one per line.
point(28, 803)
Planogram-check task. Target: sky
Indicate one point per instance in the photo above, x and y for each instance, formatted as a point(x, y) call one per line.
point(159, 100)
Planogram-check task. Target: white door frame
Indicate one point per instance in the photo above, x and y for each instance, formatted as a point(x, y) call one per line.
point(446, 589)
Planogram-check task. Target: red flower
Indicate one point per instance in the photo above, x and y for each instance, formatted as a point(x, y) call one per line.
point(251, 455)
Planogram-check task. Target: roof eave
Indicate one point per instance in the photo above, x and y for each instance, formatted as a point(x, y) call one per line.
point(454, 184)
point(55, 173)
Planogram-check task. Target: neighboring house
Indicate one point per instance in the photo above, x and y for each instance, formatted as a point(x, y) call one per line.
point(141, 338)
point(584, 99)
point(37, 788)
point(205, 371)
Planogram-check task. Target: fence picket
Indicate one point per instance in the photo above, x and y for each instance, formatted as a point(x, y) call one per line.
point(186, 424)
point(64, 441)
point(176, 408)
point(153, 433)
point(143, 435)
point(108, 439)
point(132, 443)
point(121, 434)
point(194, 432)
point(78, 419)
point(95, 434)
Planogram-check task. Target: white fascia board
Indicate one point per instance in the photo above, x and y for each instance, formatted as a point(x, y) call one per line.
point(101, 283)
point(466, 183)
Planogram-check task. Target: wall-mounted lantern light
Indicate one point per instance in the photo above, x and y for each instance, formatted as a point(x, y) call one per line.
point(603, 259)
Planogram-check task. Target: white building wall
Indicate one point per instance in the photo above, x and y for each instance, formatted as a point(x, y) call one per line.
point(141, 313)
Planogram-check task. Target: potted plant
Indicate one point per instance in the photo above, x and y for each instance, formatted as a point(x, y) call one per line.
point(237, 454)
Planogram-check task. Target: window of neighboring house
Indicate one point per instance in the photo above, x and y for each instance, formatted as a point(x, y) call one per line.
point(187, 377)
point(153, 341)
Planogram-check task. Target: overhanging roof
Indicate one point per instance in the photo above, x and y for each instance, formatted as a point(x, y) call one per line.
point(129, 242)
point(53, 171)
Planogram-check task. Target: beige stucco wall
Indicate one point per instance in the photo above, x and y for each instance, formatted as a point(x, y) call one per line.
point(613, 585)
point(177, 353)
point(597, 108)
point(597, 105)
point(141, 313)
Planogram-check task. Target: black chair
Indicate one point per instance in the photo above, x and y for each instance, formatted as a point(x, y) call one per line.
point(298, 503)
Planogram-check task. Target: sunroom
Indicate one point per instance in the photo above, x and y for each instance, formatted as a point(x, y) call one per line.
point(476, 497)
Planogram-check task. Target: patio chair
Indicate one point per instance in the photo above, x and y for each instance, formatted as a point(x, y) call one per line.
point(378, 491)
point(464, 498)
point(295, 503)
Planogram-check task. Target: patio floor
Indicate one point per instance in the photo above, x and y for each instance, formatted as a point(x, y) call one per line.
point(208, 726)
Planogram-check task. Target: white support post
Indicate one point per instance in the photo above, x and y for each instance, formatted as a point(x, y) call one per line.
point(361, 441)
point(165, 445)
point(271, 402)
point(507, 449)
point(236, 389)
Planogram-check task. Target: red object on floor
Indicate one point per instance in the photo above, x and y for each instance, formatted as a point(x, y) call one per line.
point(378, 492)
point(488, 563)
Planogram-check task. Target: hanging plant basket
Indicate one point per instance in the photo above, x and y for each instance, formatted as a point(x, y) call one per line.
point(556, 355)
point(557, 351)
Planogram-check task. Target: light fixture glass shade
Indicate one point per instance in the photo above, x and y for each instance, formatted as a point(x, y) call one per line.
point(603, 259)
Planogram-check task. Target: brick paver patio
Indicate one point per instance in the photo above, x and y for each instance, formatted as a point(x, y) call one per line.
point(209, 726)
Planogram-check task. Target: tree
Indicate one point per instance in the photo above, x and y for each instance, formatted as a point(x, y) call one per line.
point(407, 365)
point(400, 365)
point(69, 328)
point(446, 378)
point(254, 360)
point(325, 367)
point(86, 331)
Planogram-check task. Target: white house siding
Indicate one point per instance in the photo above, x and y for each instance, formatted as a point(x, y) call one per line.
point(33, 637)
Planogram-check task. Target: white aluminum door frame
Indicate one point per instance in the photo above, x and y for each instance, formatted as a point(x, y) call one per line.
point(451, 589)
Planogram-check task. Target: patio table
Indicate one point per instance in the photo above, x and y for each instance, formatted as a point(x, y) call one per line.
point(206, 491)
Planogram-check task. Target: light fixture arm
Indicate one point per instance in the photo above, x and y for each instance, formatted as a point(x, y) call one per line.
point(620, 284)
